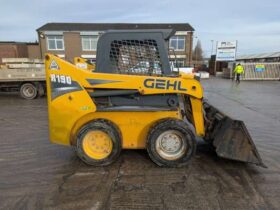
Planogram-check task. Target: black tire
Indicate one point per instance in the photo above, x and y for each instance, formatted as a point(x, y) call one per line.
point(28, 91)
point(111, 130)
point(41, 90)
point(187, 142)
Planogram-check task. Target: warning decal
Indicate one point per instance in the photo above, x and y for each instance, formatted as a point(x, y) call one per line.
point(53, 65)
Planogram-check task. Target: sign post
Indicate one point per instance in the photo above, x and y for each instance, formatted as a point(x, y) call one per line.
point(226, 51)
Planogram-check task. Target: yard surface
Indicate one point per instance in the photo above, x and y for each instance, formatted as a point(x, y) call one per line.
point(35, 174)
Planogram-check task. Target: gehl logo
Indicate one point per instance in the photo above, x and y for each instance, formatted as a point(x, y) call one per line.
point(164, 84)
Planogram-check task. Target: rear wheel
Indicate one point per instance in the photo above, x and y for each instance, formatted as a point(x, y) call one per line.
point(171, 143)
point(28, 91)
point(99, 143)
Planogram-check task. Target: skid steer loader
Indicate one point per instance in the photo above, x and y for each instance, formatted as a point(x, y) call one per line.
point(132, 100)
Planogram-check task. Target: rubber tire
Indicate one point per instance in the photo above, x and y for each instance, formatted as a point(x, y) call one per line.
point(30, 85)
point(171, 124)
point(107, 127)
point(41, 90)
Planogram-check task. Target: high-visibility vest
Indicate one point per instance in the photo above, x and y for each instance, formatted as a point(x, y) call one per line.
point(239, 69)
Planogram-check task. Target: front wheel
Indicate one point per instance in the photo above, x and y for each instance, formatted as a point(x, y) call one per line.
point(171, 143)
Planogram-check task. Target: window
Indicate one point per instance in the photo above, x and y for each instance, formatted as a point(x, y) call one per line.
point(135, 57)
point(89, 43)
point(55, 42)
point(177, 63)
point(180, 63)
point(177, 42)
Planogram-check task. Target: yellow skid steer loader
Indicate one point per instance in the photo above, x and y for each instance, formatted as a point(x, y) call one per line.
point(132, 100)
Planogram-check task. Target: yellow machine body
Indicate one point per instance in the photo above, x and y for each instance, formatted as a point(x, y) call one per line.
point(72, 107)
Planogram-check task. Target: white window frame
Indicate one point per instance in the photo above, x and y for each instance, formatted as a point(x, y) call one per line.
point(173, 63)
point(54, 37)
point(90, 38)
point(177, 38)
point(182, 62)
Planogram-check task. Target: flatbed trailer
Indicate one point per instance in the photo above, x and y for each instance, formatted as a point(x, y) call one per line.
point(24, 75)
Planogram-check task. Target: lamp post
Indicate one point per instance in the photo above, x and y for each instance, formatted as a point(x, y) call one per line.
point(212, 42)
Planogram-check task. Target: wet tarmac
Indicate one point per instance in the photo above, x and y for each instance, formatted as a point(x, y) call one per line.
point(35, 174)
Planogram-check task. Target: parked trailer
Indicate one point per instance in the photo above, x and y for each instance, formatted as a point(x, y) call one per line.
point(24, 75)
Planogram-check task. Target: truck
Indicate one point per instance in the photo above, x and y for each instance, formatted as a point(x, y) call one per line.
point(27, 76)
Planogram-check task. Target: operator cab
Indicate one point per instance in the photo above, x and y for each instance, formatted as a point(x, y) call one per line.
point(138, 52)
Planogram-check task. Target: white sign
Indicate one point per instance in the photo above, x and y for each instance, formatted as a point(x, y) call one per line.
point(226, 51)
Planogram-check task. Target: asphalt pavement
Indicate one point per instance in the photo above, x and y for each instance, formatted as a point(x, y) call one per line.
point(35, 174)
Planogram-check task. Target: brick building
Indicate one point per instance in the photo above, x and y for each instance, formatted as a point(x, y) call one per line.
point(69, 40)
point(33, 50)
point(19, 50)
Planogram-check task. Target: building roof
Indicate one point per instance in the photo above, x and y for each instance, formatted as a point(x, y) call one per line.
point(15, 42)
point(259, 56)
point(113, 26)
point(11, 42)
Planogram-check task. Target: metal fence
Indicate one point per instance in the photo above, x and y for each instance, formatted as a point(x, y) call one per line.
point(270, 72)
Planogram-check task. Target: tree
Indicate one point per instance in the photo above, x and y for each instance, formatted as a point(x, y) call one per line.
point(197, 52)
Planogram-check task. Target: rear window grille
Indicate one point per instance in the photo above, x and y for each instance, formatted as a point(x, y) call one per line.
point(135, 57)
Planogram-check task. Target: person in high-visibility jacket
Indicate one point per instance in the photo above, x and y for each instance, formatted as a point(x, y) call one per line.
point(239, 69)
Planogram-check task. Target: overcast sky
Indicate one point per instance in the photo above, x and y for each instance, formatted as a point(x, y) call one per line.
point(254, 23)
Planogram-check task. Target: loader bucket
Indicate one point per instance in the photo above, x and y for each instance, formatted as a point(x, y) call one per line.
point(229, 137)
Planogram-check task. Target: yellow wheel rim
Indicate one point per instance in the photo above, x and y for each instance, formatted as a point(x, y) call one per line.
point(97, 144)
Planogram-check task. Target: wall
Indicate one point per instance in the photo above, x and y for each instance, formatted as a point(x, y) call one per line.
point(72, 45)
point(73, 48)
point(189, 46)
point(43, 48)
point(33, 51)
point(13, 50)
point(187, 53)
